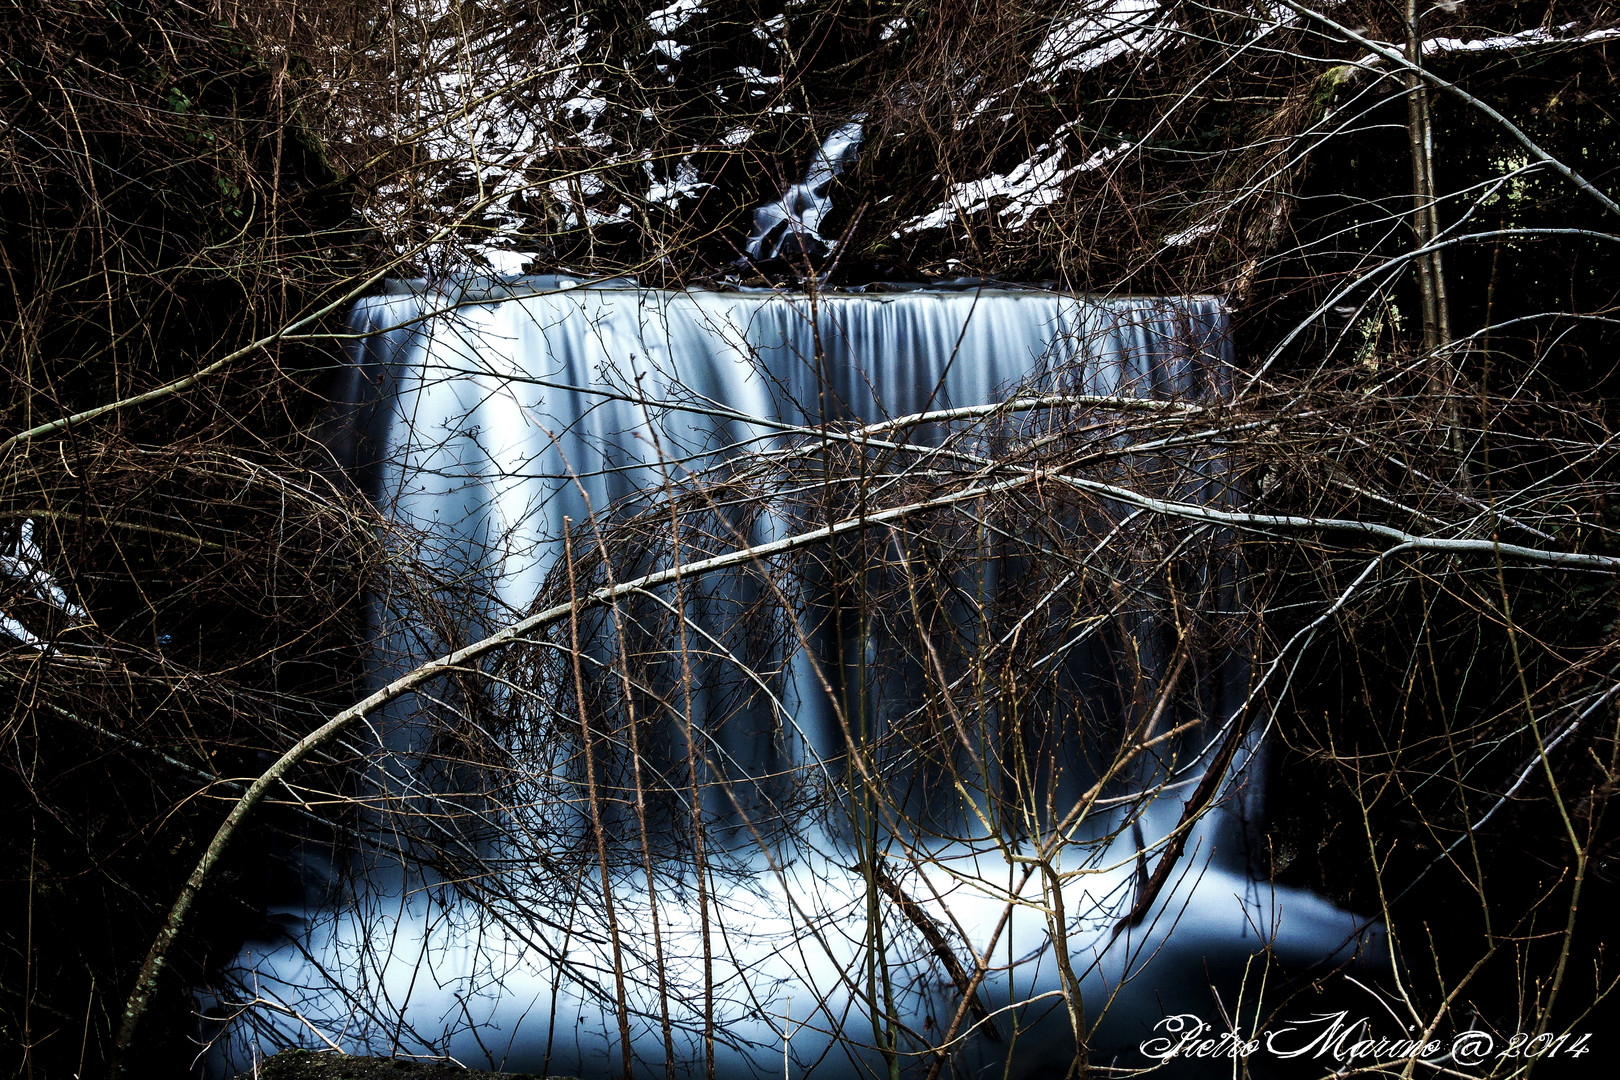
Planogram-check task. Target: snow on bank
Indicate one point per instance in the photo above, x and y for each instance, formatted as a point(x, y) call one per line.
point(1030, 186)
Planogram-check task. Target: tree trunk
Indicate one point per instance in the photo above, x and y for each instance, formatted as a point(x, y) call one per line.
point(1425, 219)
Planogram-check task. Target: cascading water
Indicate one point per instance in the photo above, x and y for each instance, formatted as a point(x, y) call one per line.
point(481, 424)
point(790, 224)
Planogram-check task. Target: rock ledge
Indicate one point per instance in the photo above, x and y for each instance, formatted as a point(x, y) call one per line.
point(325, 1065)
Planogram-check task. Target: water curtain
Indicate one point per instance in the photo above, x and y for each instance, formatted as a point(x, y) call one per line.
point(909, 782)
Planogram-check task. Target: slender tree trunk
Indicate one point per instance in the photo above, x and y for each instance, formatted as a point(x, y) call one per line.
point(1425, 218)
point(1426, 226)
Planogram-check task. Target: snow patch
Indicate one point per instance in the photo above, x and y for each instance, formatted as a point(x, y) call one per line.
point(665, 21)
point(771, 30)
point(1187, 236)
point(505, 263)
point(683, 184)
point(1534, 36)
point(1097, 35)
point(1524, 39)
point(1031, 186)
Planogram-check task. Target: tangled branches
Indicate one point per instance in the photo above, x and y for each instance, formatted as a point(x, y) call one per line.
point(1390, 540)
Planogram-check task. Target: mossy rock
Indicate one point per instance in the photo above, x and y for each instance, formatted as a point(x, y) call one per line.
point(324, 1065)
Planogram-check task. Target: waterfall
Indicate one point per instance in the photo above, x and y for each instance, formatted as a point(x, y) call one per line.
point(790, 224)
point(482, 421)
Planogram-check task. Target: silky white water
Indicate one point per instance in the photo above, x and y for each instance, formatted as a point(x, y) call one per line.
point(480, 423)
point(790, 224)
